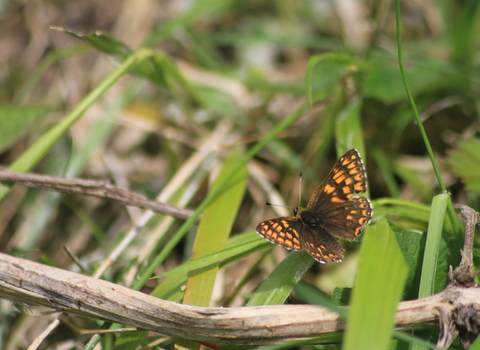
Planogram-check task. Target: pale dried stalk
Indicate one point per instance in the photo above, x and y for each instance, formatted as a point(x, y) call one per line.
point(29, 282)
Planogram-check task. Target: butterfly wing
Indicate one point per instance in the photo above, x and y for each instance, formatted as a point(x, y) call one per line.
point(284, 231)
point(291, 233)
point(321, 245)
point(339, 211)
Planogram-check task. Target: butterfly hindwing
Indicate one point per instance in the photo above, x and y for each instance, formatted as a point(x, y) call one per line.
point(290, 233)
point(321, 245)
point(284, 231)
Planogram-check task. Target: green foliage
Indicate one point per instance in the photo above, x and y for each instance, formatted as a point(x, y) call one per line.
point(260, 90)
point(378, 288)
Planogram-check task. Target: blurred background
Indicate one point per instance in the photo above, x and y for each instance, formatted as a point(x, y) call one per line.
point(237, 69)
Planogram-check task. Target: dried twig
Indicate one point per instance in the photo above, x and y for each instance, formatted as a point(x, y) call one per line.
point(464, 318)
point(463, 275)
point(33, 283)
point(96, 188)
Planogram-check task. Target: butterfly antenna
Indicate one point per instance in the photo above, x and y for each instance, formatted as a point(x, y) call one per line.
point(279, 205)
point(300, 189)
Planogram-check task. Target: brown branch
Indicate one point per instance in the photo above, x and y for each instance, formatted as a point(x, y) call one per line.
point(464, 319)
point(29, 282)
point(463, 275)
point(96, 188)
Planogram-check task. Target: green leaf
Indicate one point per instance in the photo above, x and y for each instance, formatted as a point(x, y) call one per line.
point(402, 214)
point(101, 41)
point(434, 234)
point(237, 247)
point(150, 68)
point(212, 235)
point(341, 296)
point(311, 295)
point(213, 231)
point(377, 291)
point(448, 255)
point(412, 245)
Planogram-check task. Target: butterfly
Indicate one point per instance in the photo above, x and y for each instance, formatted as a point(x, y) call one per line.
point(333, 210)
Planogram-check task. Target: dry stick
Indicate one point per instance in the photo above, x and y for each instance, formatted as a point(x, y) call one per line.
point(39, 339)
point(463, 275)
point(25, 281)
point(96, 188)
point(463, 319)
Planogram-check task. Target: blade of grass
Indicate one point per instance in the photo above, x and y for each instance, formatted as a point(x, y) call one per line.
point(236, 246)
point(413, 340)
point(461, 159)
point(392, 206)
point(311, 295)
point(212, 195)
point(378, 288)
point(434, 234)
point(451, 210)
point(212, 235)
point(279, 284)
point(170, 288)
point(430, 257)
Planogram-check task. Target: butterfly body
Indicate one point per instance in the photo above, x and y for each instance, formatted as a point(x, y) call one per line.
point(333, 210)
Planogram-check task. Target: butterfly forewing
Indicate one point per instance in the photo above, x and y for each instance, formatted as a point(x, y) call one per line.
point(347, 221)
point(346, 178)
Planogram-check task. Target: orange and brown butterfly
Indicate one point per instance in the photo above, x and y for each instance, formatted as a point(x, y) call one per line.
point(333, 210)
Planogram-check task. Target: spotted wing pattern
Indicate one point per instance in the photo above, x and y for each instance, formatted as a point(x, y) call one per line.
point(339, 210)
point(333, 210)
point(292, 234)
point(284, 231)
point(321, 245)
point(346, 178)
